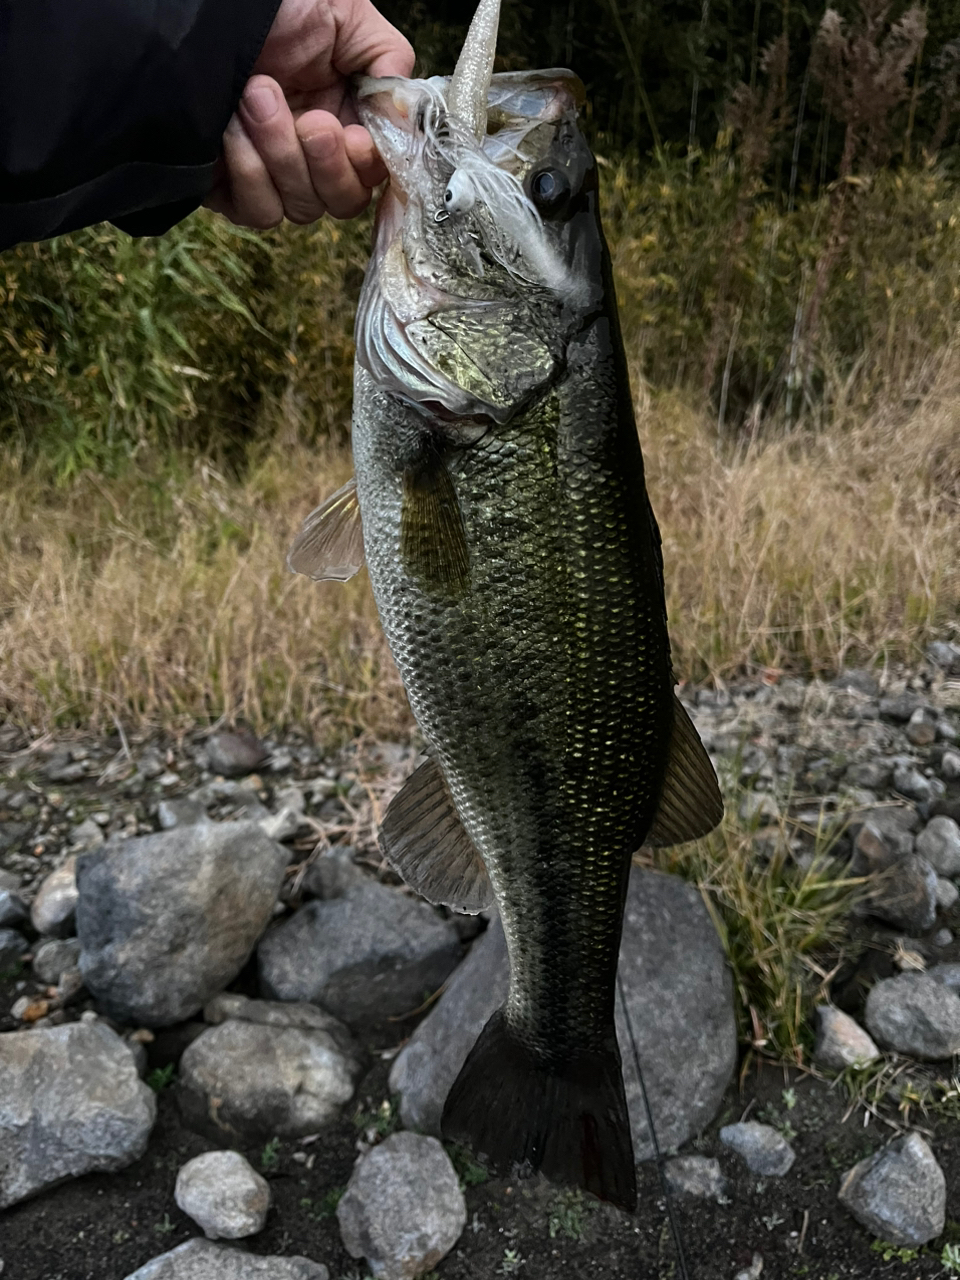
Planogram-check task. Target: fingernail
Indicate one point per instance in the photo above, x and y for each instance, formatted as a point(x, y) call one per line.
point(321, 146)
point(261, 102)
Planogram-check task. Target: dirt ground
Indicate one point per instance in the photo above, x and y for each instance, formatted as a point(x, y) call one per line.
point(103, 1227)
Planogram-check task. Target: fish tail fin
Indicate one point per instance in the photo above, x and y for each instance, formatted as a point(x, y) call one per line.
point(570, 1121)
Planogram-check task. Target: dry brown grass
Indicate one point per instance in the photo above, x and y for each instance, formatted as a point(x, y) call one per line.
point(809, 551)
point(165, 599)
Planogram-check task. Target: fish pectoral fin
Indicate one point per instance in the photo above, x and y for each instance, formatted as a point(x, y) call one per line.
point(690, 803)
point(433, 544)
point(424, 841)
point(329, 545)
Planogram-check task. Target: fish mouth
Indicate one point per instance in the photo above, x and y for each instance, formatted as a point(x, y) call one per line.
point(483, 262)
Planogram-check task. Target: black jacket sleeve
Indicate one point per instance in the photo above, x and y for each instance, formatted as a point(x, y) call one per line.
point(115, 109)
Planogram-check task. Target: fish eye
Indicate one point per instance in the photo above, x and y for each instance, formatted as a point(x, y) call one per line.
point(549, 188)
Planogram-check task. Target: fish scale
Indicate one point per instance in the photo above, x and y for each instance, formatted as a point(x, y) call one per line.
point(535, 706)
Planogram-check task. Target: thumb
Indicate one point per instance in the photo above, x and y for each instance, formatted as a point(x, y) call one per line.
point(367, 42)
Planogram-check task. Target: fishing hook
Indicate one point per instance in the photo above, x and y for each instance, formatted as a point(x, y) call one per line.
point(441, 215)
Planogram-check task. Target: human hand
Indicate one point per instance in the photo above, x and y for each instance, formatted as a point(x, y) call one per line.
point(295, 147)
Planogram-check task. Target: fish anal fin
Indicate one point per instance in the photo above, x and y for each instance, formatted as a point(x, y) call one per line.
point(329, 545)
point(570, 1121)
point(433, 544)
point(690, 803)
point(424, 841)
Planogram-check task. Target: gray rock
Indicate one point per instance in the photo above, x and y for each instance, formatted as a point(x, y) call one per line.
point(290, 804)
point(184, 812)
point(910, 782)
point(947, 895)
point(61, 767)
point(875, 775)
point(939, 843)
point(12, 947)
point(56, 901)
point(900, 707)
point(11, 833)
point(765, 1151)
point(896, 824)
point(946, 655)
point(950, 766)
point(203, 1260)
point(248, 1081)
point(680, 997)
point(841, 1042)
point(235, 753)
point(13, 909)
point(942, 938)
point(370, 954)
point(425, 1068)
point(946, 732)
point(168, 920)
point(915, 1014)
point(948, 974)
point(903, 888)
point(150, 763)
point(54, 958)
point(857, 680)
point(224, 1195)
point(71, 1102)
point(333, 873)
point(922, 727)
point(899, 1193)
point(9, 881)
point(280, 1013)
point(403, 1209)
point(696, 1176)
point(87, 835)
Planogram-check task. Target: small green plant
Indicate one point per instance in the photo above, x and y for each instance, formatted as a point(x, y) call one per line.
point(469, 1172)
point(950, 1258)
point(161, 1078)
point(382, 1122)
point(890, 1253)
point(789, 1097)
point(772, 1115)
point(568, 1216)
point(326, 1207)
point(512, 1262)
point(164, 1226)
point(120, 1236)
point(270, 1155)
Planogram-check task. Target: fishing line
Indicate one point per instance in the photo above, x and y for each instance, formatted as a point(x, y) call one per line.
point(674, 1225)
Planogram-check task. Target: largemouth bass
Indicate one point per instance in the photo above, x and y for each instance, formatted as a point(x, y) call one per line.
point(516, 566)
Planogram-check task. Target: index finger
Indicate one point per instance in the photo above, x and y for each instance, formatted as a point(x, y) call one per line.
point(367, 42)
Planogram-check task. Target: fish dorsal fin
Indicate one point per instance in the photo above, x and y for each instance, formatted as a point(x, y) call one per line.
point(690, 803)
point(330, 542)
point(433, 545)
point(423, 839)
